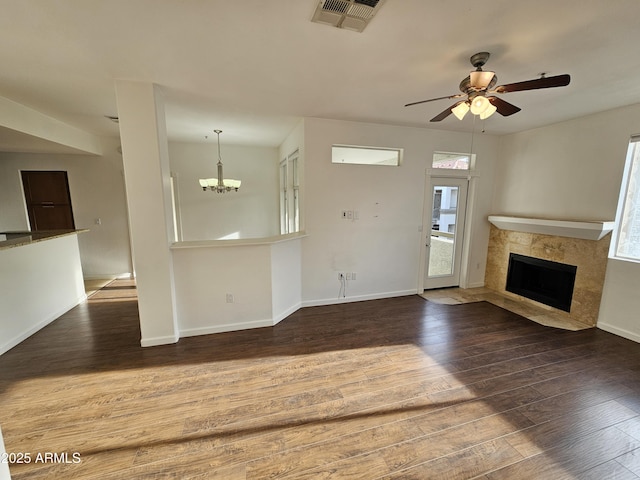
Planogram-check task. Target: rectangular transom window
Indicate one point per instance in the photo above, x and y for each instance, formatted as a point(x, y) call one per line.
point(365, 155)
point(451, 161)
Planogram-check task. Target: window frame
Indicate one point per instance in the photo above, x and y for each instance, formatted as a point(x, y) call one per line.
point(398, 151)
point(289, 173)
point(471, 164)
point(631, 174)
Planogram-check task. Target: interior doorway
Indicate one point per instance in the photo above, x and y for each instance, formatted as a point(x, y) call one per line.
point(445, 232)
point(48, 200)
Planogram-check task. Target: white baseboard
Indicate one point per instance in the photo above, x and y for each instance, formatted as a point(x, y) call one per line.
point(155, 341)
point(359, 298)
point(101, 276)
point(475, 285)
point(5, 347)
point(621, 332)
point(229, 327)
point(282, 315)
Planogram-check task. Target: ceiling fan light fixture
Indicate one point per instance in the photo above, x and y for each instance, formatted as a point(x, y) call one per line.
point(479, 83)
point(479, 104)
point(490, 110)
point(479, 79)
point(460, 110)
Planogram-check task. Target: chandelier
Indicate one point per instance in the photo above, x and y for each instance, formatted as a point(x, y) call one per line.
point(219, 184)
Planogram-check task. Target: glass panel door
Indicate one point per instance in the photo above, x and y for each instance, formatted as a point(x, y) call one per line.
point(444, 240)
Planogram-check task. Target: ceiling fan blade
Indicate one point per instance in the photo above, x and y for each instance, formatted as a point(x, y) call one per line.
point(503, 108)
point(458, 95)
point(444, 114)
point(544, 82)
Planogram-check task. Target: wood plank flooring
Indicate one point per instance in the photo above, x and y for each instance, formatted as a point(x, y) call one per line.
point(387, 389)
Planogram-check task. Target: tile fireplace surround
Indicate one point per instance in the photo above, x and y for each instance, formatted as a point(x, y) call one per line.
point(589, 255)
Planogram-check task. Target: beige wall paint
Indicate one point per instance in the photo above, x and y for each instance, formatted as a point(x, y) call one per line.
point(252, 212)
point(383, 246)
point(97, 192)
point(572, 171)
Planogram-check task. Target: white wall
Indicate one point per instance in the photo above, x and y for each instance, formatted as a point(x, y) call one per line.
point(262, 278)
point(252, 212)
point(147, 175)
point(570, 170)
point(45, 130)
point(203, 278)
point(573, 170)
point(286, 278)
point(38, 283)
point(97, 191)
point(383, 246)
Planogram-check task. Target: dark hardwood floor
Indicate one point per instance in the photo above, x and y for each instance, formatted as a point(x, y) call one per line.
point(394, 388)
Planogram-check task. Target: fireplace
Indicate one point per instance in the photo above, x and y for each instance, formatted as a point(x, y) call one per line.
point(541, 280)
point(589, 256)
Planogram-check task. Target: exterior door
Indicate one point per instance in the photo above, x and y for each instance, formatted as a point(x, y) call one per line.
point(48, 200)
point(444, 240)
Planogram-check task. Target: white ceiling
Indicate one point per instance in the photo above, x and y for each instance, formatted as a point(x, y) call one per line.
point(252, 68)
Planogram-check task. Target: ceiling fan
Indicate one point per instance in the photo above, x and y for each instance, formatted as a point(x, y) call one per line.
point(478, 88)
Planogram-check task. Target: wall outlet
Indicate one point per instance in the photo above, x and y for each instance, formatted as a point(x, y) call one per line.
point(229, 297)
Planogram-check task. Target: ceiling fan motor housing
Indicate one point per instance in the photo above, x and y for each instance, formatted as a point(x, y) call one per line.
point(479, 59)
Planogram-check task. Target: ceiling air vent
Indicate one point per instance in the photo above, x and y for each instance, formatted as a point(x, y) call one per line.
point(349, 14)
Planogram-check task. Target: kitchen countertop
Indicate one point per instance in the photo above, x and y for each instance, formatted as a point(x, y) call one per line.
point(18, 239)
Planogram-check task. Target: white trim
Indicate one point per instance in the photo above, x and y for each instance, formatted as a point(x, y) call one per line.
point(155, 341)
point(622, 198)
point(445, 172)
point(289, 311)
point(586, 230)
point(621, 332)
point(238, 242)
point(464, 233)
point(105, 276)
point(359, 298)
point(229, 327)
point(465, 256)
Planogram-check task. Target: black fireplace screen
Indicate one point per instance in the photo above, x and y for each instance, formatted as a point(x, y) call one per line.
point(544, 281)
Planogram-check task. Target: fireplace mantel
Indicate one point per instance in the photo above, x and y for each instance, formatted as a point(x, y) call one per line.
point(592, 230)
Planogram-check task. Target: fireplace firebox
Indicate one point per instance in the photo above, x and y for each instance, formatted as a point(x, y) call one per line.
point(541, 280)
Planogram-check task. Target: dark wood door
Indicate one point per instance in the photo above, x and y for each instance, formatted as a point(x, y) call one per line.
point(48, 200)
